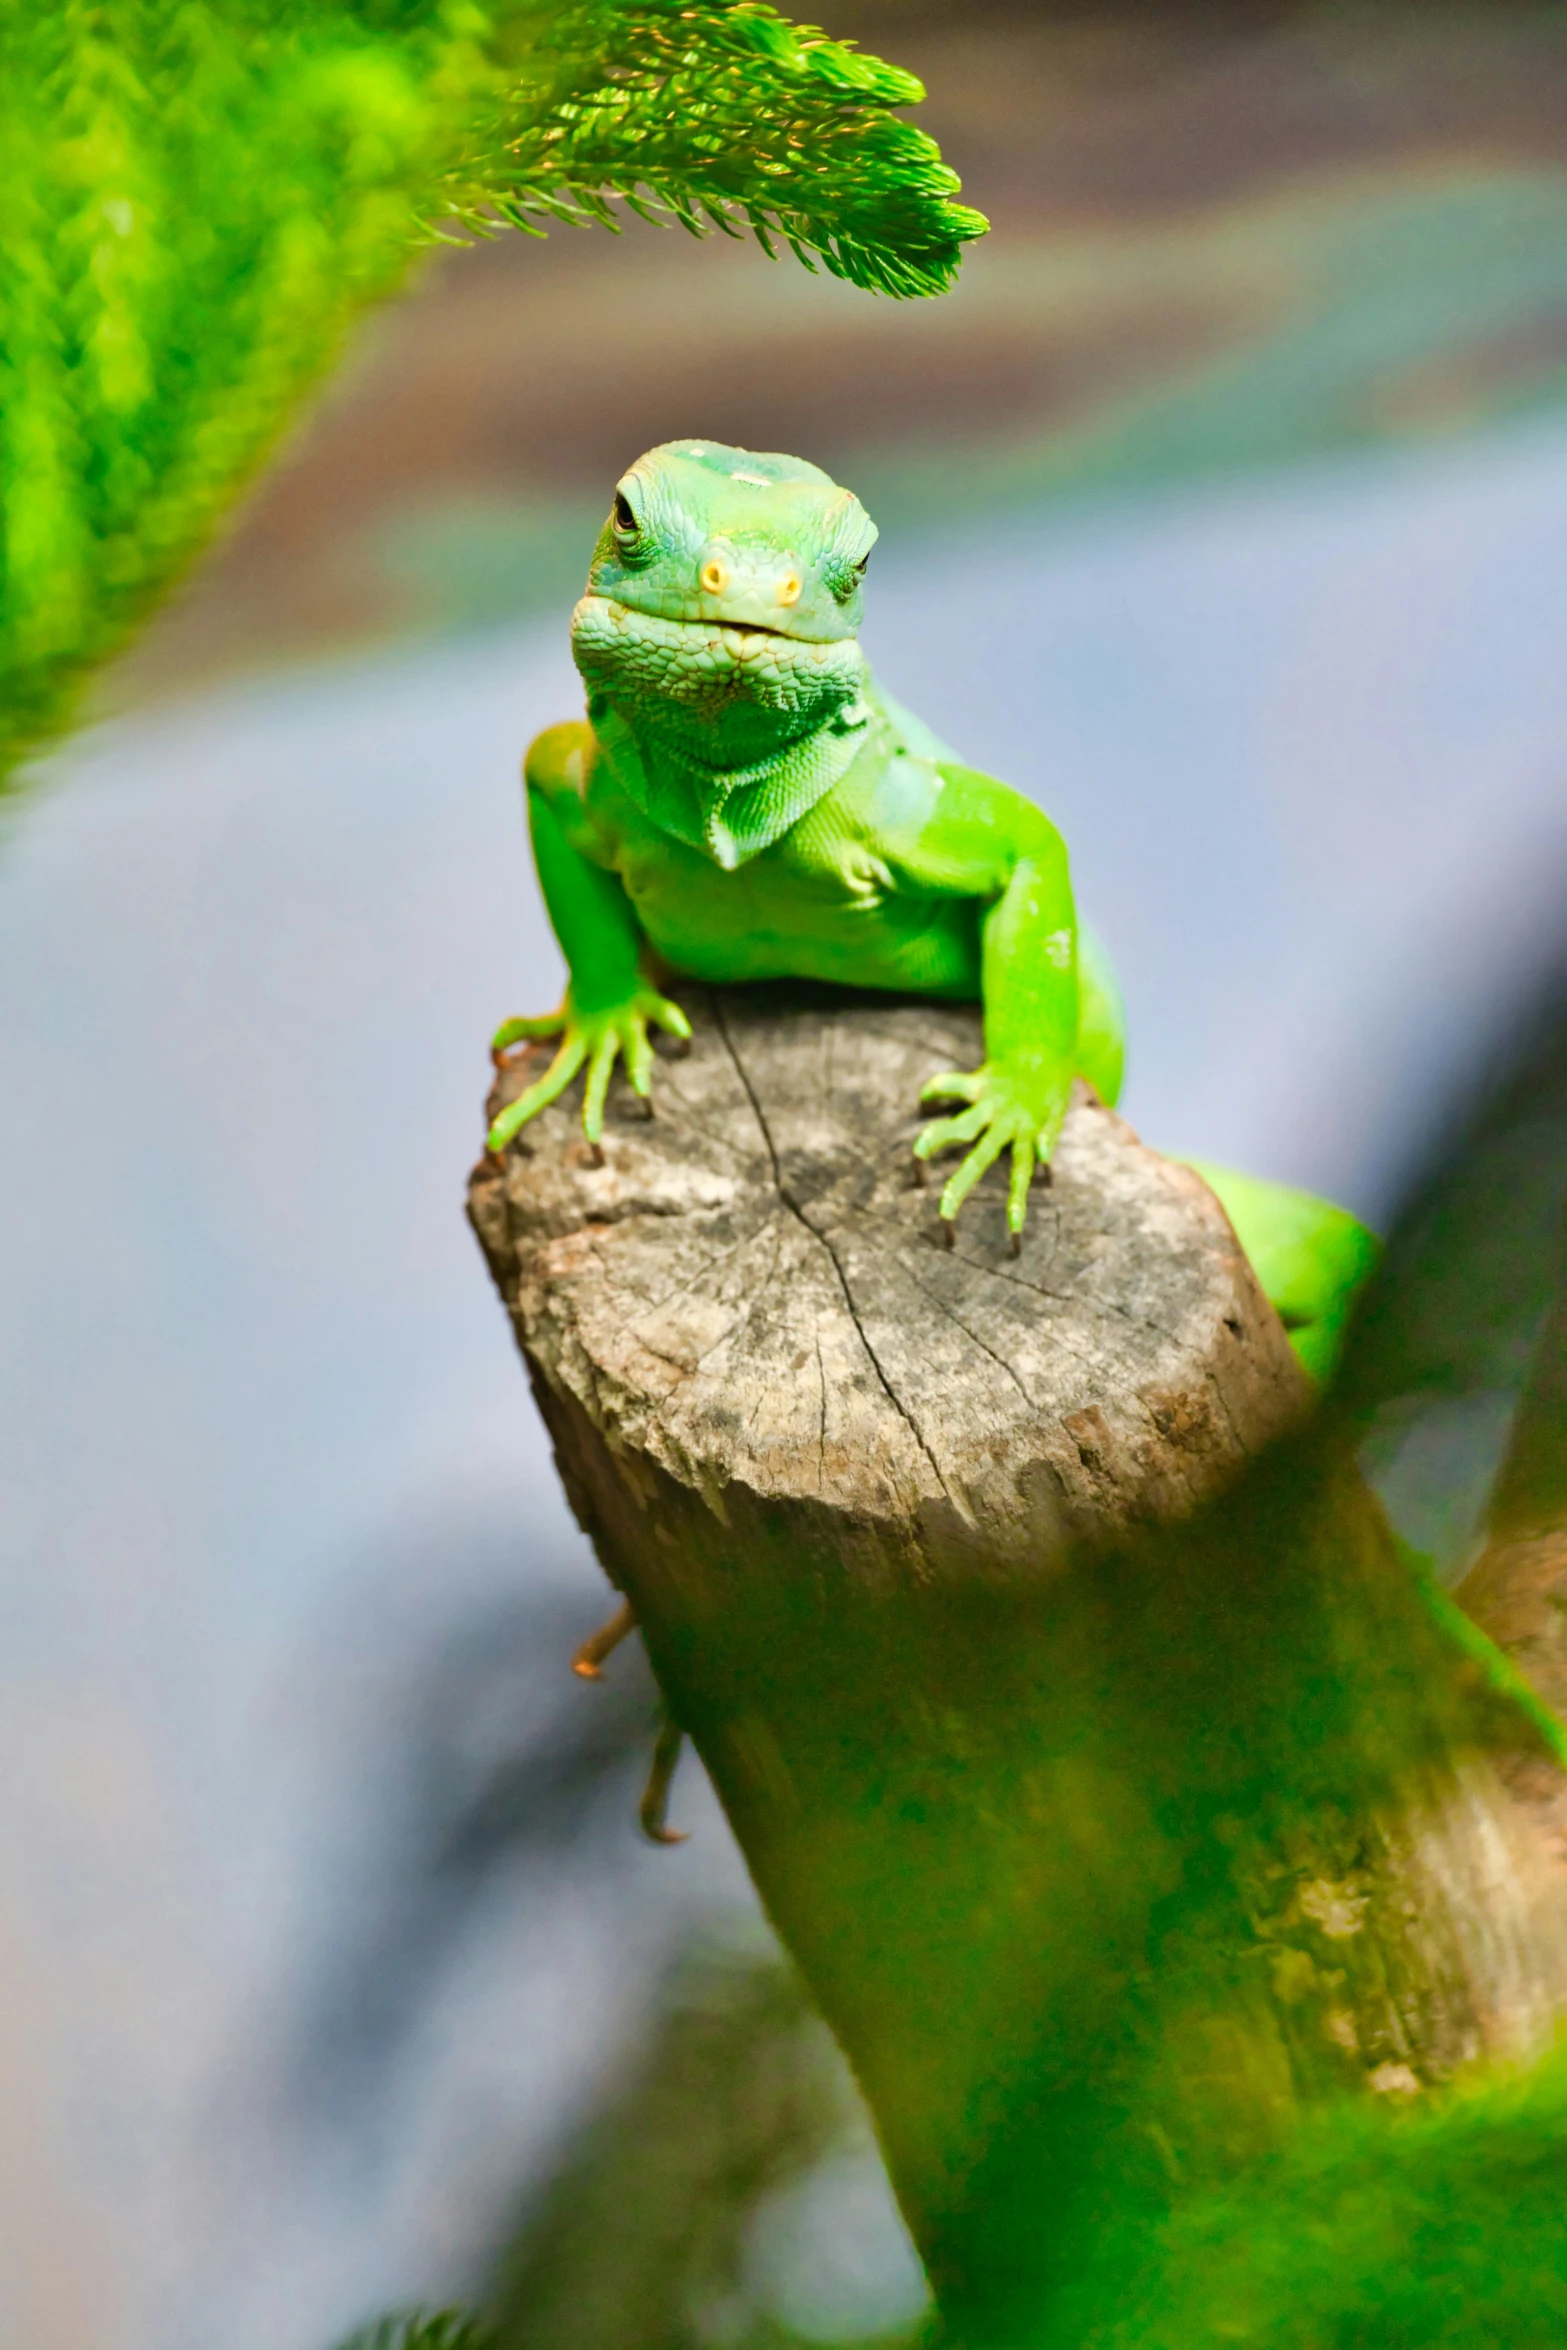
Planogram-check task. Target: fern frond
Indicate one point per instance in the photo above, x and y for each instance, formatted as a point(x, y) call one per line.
point(720, 114)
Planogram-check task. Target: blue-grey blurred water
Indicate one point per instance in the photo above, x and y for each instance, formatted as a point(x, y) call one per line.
point(296, 1986)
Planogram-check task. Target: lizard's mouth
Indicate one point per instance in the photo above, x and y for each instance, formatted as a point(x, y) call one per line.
point(703, 667)
point(745, 628)
point(701, 624)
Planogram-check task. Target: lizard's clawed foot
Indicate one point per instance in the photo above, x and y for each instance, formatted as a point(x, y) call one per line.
point(1006, 1112)
point(590, 1040)
point(655, 1796)
point(589, 1658)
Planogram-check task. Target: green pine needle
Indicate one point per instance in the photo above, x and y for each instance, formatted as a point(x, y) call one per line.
point(720, 113)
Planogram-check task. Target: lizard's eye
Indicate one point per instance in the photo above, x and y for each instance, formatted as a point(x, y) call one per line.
point(634, 546)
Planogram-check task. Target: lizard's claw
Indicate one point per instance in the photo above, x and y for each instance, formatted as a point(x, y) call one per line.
point(653, 1810)
point(1003, 1113)
point(588, 1660)
point(596, 1038)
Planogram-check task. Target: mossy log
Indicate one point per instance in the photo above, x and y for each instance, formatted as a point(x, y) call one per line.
point(1089, 1741)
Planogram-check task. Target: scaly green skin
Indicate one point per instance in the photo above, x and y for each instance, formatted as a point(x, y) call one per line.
point(747, 803)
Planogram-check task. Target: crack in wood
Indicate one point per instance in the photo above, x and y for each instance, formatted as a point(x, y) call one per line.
point(825, 1242)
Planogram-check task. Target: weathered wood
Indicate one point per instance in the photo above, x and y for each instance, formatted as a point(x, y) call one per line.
point(1106, 1844)
point(752, 1295)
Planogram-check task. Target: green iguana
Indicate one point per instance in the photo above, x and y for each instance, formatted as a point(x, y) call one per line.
point(746, 801)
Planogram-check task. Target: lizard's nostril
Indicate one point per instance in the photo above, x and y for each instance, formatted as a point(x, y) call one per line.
point(789, 588)
point(714, 576)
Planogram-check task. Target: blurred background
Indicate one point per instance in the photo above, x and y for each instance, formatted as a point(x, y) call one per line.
point(1223, 509)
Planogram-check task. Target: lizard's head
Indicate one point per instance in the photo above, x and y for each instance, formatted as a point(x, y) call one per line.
point(725, 595)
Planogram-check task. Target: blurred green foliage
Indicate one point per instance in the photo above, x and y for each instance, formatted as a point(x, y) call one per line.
point(419, 2329)
point(1385, 2227)
point(201, 197)
point(641, 2229)
point(644, 2232)
point(1423, 2217)
point(199, 201)
point(1380, 2230)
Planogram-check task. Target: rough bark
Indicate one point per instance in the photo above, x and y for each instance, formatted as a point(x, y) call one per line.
point(1118, 1800)
point(1517, 1588)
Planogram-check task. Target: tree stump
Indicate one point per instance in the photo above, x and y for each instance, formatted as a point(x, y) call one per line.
point(752, 1299)
point(1112, 1823)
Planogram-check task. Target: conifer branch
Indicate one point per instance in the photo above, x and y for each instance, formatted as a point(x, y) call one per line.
point(720, 114)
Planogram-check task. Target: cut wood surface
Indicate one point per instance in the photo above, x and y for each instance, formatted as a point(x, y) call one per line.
point(752, 1293)
point(1111, 1831)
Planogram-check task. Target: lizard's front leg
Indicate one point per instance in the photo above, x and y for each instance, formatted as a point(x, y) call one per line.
point(1016, 1101)
point(609, 1005)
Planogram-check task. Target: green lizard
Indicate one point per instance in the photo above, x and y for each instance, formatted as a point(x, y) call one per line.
point(744, 800)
